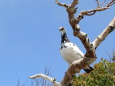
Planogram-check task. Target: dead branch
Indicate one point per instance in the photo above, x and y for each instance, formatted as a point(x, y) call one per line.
point(99, 4)
point(62, 4)
point(105, 33)
point(99, 8)
point(90, 55)
point(50, 79)
point(74, 3)
point(75, 67)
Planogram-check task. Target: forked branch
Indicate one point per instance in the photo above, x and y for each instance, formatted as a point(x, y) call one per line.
point(90, 55)
point(100, 7)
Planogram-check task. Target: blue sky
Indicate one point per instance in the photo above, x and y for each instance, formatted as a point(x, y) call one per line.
point(30, 40)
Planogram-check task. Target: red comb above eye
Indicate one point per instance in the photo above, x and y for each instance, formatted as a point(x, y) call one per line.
point(61, 27)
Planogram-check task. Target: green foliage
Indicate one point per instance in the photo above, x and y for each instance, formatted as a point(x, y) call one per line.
point(103, 75)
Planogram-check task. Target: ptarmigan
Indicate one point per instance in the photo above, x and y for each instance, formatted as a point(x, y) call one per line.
point(69, 51)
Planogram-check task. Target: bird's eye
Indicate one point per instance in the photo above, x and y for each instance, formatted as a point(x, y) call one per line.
point(62, 28)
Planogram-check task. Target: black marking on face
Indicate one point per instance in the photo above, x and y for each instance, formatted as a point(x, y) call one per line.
point(64, 38)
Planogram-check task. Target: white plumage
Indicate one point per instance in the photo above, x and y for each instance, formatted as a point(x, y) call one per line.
point(69, 51)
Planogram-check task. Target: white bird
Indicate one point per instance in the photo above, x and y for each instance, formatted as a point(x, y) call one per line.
point(69, 51)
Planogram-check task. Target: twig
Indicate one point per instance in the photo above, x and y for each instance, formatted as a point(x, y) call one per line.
point(62, 4)
point(99, 4)
point(93, 11)
point(102, 2)
point(111, 3)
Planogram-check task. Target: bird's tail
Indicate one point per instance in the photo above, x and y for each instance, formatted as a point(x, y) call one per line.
point(88, 69)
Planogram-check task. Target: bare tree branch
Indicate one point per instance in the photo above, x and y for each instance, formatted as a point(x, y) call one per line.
point(74, 3)
point(99, 4)
point(93, 11)
point(100, 7)
point(90, 55)
point(50, 79)
point(105, 33)
point(75, 67)
point(111, 3)
point(62, 4)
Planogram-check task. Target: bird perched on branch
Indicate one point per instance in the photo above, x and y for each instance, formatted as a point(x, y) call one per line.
point(69, 51)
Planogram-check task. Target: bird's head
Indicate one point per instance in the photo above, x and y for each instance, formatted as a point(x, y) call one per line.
point(62, 30)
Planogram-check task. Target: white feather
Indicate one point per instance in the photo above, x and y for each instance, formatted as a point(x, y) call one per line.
point(71, 52)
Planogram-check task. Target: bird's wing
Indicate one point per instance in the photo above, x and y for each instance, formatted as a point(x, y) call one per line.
point(78, 51)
